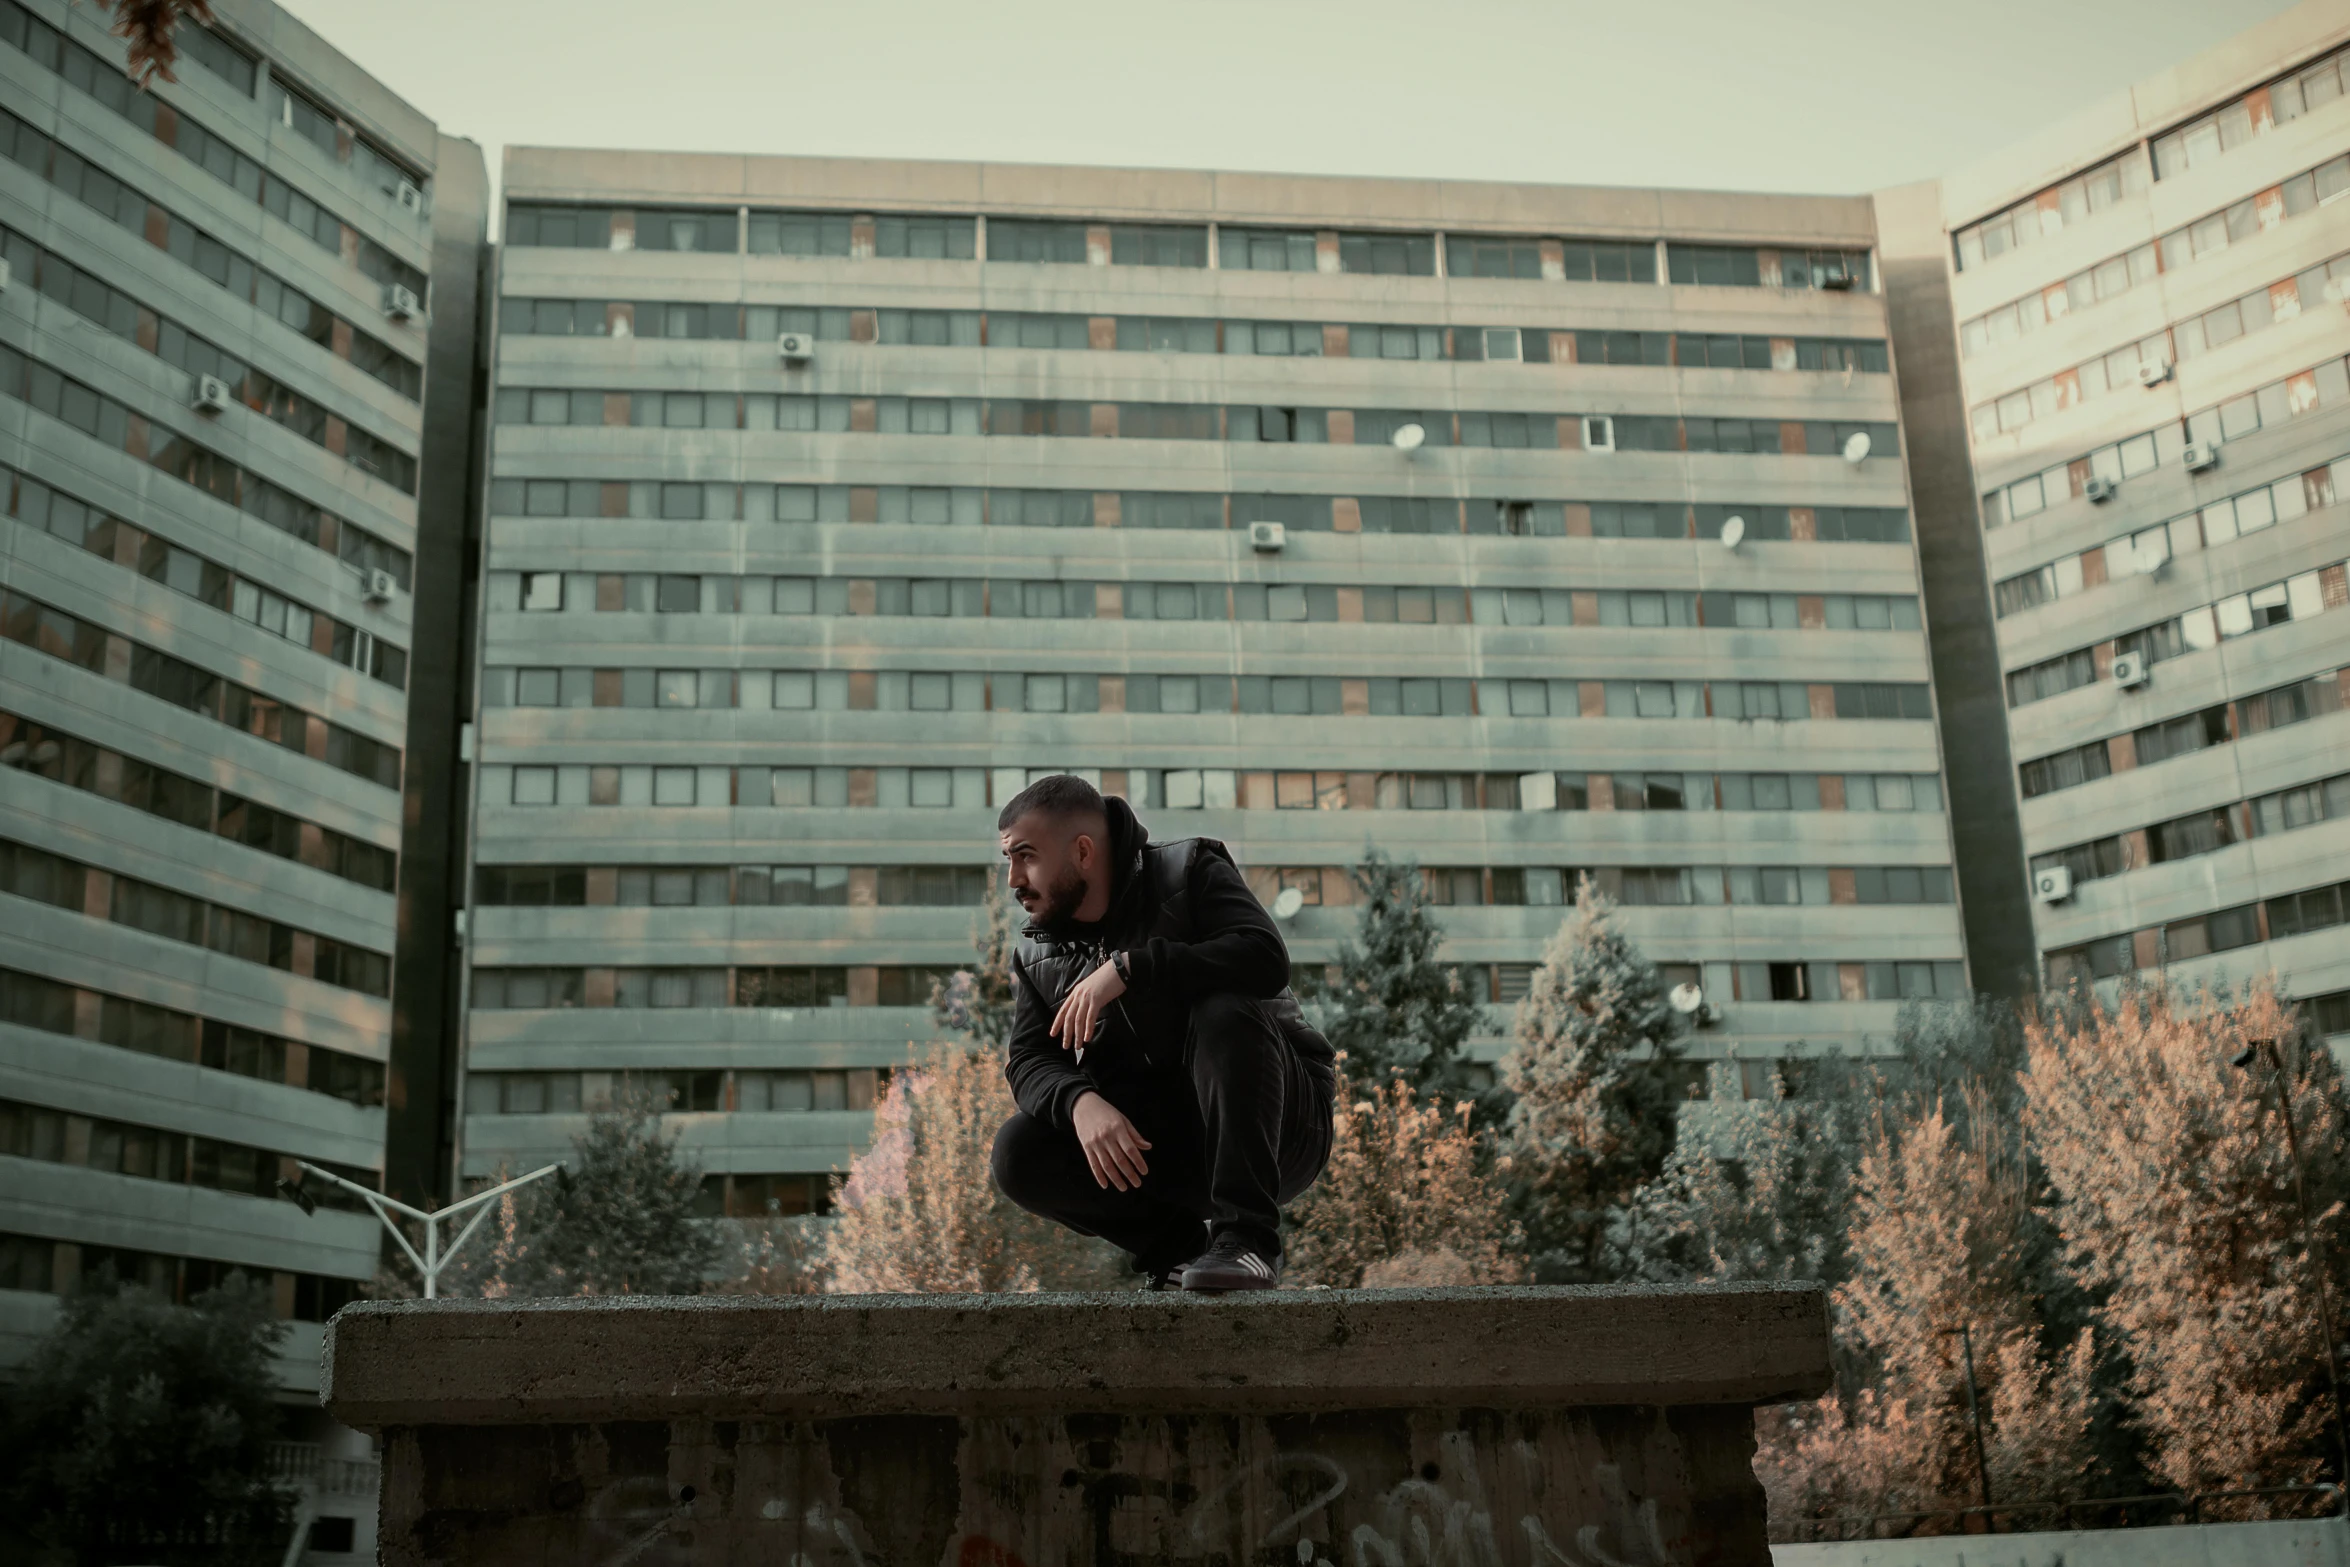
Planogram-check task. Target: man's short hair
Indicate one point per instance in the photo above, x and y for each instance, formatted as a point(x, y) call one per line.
point(1059, 797)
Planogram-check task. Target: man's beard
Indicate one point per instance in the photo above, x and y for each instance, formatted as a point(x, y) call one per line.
point(1056, 909)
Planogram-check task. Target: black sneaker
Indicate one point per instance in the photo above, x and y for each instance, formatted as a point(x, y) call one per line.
point(1231, 1263)
point(1166, 1279)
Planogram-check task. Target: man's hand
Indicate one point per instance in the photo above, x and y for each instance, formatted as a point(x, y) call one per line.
point(1112, 1146)
point(1082, 1008)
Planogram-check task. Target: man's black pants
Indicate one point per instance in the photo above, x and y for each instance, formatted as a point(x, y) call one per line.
point(1242, 1129)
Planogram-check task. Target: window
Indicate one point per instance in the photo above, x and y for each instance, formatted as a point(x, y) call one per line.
point(1028, 239)
point(685, 229)
point(1158, 245)
point(1400, 255)
point(1266, 250)
point(1466, 256)
point(2051, 210)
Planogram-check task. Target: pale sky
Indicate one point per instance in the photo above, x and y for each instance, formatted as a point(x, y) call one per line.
point(1784, 95)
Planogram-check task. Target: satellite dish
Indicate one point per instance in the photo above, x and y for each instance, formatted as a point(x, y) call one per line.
point(1733, 533)
point(1408, 437)
point(1856, 447)
point(1287, 902)
point(1687, 999)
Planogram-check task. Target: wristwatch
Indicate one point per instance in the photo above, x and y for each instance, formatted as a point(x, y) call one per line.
point(1125, 974)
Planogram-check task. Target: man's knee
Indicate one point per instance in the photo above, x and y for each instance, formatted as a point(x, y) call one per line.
point(1025, 1151)
point(1224, 1020)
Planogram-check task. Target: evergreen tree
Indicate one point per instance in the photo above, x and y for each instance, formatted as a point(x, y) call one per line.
point(139, 1430)
point(1409, 1197)
point(919, 1211)
point(1594, 1094)
point(978, 1002)
point(1752, 1190)
point(619, 1220)
point(1394, 1007)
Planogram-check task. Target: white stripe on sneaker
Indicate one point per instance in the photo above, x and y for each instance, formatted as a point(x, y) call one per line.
point(1255, 1264)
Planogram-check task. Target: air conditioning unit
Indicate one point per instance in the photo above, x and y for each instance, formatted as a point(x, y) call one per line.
point(409, 197)
point(2100, 490)
point(381, 584)
point(401, 303)
point(2201, 456)
point(797, 348)
point(1599, 433)
point(5, 274)
point(1840, 282)
point(2053, 885)
point(212, 395)
point(2129, 670)
point(2153, 372)
point(1266, 537)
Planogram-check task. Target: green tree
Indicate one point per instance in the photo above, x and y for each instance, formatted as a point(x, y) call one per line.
point(1594, 1091)
point(140, 1430)
point(1394, 1007)
point(1753, 1189)
point(978, 1002)
point(617, 1220)
point(148, 25)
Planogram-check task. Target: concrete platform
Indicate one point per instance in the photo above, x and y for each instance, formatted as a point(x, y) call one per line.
point(1601, 1427)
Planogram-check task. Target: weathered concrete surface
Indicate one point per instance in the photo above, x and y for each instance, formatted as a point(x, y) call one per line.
point(2307, 1542)
point(1602, 1428)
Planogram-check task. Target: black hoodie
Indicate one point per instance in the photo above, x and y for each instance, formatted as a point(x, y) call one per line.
point(1190, 926)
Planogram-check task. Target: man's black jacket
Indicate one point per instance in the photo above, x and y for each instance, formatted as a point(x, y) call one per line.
point(1190, 926)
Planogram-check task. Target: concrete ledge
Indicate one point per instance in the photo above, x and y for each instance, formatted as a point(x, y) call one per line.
point(717, 1358)
point(1375, 1428)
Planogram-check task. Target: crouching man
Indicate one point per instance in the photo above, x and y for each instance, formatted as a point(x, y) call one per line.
point(1172, 1096)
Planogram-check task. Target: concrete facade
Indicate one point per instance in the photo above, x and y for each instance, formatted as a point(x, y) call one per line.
point(767, 641)
point(212, 423)
point(2192, 813)
point(1518, 1425)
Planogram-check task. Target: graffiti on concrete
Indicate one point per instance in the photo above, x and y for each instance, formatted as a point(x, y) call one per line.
point(1591, 1488)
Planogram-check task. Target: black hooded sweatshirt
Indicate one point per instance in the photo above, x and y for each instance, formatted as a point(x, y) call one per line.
point(1190, 927)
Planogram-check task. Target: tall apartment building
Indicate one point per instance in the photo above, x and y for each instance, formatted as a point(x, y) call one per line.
point(2153, 359)
point(220, 300)
point(1522, 530)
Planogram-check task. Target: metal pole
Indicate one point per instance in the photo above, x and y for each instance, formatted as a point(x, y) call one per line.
point(2330, 1349)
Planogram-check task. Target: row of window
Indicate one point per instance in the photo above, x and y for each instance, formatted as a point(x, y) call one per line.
point(56, 634)
point(1029, 416)
point(2201, 935)
point(2049, 211)
point(1234, 790)
point(47, 1267)
point(135, 212)
point(689, 1092)
point(42, 877)
point(119, 312)
point(44, 751)
point(2326, 385)
point(1078, 243)
point(2198, 334)
point(2147, 550)
point(1209, 788)
point(29, 1131)
point(115, 425)
point(970, 506)
point(2196, 144)
point(531, 316)
point(1635, 886)
point(88, 527)
point(2204, 832)
point(38, 1002)
point(2184, 735)
point(2134, 268)
point(2301, 597)
point(106, 82)
point(563, 988)
point(921, 691)
point(979, 597)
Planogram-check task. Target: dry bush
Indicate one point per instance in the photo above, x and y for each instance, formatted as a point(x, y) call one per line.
point(1409, 1196)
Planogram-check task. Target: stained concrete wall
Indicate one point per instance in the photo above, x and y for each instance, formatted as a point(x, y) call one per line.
point(1341, 1427)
